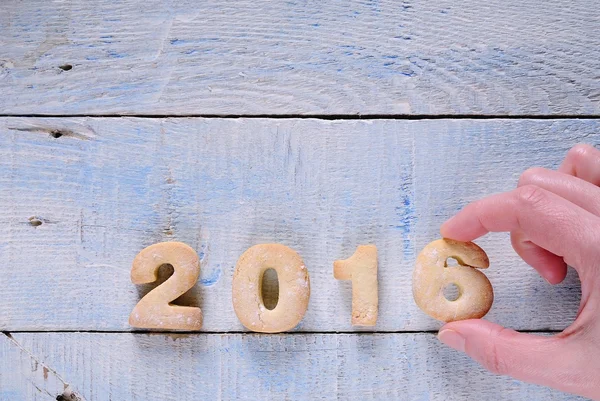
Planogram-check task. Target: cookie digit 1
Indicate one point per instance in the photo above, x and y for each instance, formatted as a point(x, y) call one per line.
point(154, 310)
point(294, 288)
point(432, 274)
point(361, 268)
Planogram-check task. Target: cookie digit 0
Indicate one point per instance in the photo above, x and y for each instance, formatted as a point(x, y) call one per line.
point(361, 268)
point(294, 288)
point(154, 310)
point(432, 274)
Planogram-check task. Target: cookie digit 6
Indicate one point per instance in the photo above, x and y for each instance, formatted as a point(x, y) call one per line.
point(154, 311)
point(432, 275)
point(294, 288)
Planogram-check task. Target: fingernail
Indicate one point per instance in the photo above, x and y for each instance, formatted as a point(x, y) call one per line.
point(452, 339)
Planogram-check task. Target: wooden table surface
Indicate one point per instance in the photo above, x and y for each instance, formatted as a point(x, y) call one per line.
point(319, 125)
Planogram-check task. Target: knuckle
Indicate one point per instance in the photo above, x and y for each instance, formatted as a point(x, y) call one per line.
point(517, 239)
point(579, 152)
point(492, 358)
point(531, 195)
point(494, 363)
point(531, 175)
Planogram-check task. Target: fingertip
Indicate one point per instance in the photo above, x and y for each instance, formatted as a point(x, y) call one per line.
point(582, 161)
point(452, 339)
point(551, 267)
point(446, 228)
point(469, 326)
point(455, 229)
point(556, 275)
point(532, 176)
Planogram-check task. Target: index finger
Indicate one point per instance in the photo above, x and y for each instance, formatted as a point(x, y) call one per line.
point(548, 220)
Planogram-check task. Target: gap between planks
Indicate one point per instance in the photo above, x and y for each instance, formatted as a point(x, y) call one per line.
point(327, 117)
point(294, 333)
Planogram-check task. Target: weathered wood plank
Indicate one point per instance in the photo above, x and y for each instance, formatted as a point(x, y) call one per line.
point(126, 366)
point(109, 187)
point(24, 377)
point(300, 57)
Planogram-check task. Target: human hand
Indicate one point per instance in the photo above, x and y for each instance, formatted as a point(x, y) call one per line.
point(554, 221)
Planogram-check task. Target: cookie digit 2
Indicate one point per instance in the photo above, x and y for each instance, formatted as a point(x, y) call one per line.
point(154, 310)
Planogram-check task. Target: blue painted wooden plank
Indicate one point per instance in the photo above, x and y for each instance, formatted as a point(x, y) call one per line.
point(108, 188)
point(178, 58)
point(109, 366)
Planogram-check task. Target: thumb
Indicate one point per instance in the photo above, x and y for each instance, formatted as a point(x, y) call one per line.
point(552, 361)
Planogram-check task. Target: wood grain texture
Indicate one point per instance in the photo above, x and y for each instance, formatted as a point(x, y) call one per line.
point(107, 188)
point(102, 366)
point(24, 377)
point(504, 57)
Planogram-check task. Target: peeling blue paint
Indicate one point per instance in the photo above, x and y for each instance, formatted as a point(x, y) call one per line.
point(406, 214)
point(115, 54)
point(209, 277)
point(182, 42)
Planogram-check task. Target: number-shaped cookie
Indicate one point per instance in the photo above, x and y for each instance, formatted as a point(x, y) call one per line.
point(361, 268)
point(154, 311)
point(432, 274)
point(294, 288)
